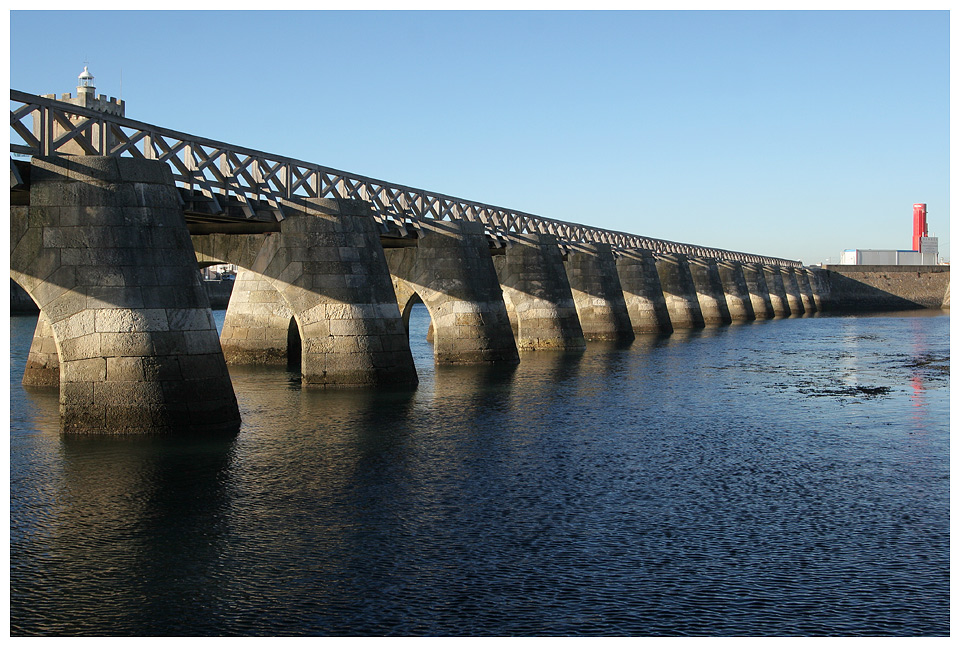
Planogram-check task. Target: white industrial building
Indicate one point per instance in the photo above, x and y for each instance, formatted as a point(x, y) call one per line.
point(891, 256)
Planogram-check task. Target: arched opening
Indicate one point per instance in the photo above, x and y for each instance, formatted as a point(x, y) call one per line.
point(416, 314)
point(408, 308)
point(294, 346)
point(419, 324)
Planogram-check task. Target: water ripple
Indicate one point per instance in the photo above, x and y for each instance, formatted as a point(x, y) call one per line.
point(785, 479)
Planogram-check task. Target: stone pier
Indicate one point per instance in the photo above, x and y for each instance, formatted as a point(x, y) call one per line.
point(452, 273)
point(806, 294)
point(104, 252)
point(595, 284)
point(792, 290)
point(814, 286)
point(757, 287)
point(679, 292)
point(43, 362)
point(778, 295)
point(642, 292)
point(735, 291)
point(537, 294)
point(323, 278)
point(713, 303)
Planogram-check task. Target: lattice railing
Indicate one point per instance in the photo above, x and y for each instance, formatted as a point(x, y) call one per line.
point(255, 178)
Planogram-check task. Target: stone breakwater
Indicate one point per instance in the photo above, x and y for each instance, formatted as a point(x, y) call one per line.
point(865, 288)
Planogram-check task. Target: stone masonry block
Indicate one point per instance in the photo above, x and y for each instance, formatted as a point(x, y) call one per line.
point(126, 344)
point(74, 215)
point(125, 393)
point(317, 345)
point(100, 275)
point(138, 275)
point(63, 277)
point(145, 171)
point(168, 343)
point(316, 329)
point(86, 418)
point(57, 303)
point(117, 320)
point(160, 368)
point(125, 369)
point(199, 342)
point(190, 319)
point(19, 225)
point(78, 324)
point(93, 369)
point(114, 297)
point(76, 393)
point(344, 327)
point(81, 347)
point(44, 216)
point(291, 273)
point(202, 366)
point(25, 243)
point(349, 254)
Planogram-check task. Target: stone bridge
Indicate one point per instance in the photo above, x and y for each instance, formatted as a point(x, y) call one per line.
point(110, 220)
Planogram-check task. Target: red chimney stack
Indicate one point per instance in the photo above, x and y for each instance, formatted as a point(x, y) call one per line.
point(919, 224)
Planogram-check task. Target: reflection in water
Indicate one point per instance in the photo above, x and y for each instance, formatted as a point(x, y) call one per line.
point(743, 480)
point(144, 519)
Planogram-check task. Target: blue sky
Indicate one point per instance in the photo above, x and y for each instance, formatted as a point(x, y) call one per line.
point(792, 134)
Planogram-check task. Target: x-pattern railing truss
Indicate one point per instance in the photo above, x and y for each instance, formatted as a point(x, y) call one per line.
point(255, 179)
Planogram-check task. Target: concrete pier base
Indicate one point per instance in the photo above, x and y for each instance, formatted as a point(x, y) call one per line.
point(735, 291)
point(452, 273)
point(642, 292)
point(537, 294)
point(597, 293)
point(757, 288)
point(778, 295)
point(792, 290)
point(43, 362)
point(679, 292)
point(103, 251)
point(713, 303)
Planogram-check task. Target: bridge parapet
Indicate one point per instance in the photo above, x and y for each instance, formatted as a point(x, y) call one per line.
point(222, 171)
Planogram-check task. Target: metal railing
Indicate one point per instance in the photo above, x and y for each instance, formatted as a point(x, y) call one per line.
point(254, 178)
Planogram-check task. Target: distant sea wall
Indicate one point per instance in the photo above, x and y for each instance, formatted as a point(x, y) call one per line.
point(866, 288)
point(217, 291)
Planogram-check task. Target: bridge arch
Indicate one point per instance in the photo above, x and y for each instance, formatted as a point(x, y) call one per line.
point(451, 272)
point(323, 276)
point(406, 307)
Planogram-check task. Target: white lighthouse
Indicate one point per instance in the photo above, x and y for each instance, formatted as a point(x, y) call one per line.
point(87, 96)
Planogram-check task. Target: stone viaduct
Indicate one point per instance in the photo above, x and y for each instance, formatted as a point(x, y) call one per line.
point(111, 219)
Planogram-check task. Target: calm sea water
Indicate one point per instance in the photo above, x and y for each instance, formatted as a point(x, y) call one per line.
point(776, 478)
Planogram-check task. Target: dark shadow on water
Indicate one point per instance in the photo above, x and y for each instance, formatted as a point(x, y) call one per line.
point(144, 518)
point(466, 378)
